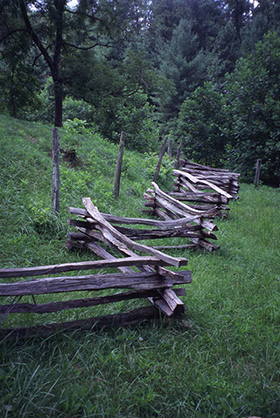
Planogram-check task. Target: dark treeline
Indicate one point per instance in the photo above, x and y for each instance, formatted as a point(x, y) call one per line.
point(206, 71)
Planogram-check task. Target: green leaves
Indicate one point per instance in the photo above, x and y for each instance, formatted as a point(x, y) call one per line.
point(252, 103)
point(241, 122)
point(201, 121)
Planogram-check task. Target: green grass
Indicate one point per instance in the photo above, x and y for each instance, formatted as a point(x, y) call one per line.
point(221, 360)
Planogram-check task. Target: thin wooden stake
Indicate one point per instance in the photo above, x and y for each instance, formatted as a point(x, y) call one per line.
point(169, 150)
point(177, 161)
point(119, 166)
point(55, 159)
point(161, 154)
point(258, 170)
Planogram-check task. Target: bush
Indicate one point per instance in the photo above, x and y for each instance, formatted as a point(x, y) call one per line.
point(252, 94)
point(201, 122)
point(133, 115)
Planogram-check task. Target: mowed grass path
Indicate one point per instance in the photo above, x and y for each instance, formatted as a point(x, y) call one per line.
point(221, 360)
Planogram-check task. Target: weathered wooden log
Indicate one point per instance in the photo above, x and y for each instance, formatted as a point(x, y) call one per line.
point(82, 303)
point(183, 182)
point(224, 179)
point(162, 304)
point(194, 231)
point(184, 195)
point(175, 207)
point(258, 171)
point(83, 265)
point(136, 281)
point(171, 211)
point(205, 244)
point(137, 221)
point(183, 206)
point(173, 301)
point(78, 236)
point(169, 149)
point(177, 247)
point(101, 252)
point(106, 227)
point(203, 182)
point(92, 324)
point(186, 163)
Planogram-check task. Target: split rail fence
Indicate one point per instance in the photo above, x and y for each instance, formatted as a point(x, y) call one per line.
point(144, 276)
point(198, 221)
point(224, 179)
point(200, 194)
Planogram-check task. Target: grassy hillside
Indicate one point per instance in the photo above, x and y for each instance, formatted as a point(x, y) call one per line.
point(221, 360)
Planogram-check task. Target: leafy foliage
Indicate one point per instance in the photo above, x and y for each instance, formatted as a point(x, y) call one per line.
point(253, 105)
point(144, 67)
point(201, 122)
point(241, 123)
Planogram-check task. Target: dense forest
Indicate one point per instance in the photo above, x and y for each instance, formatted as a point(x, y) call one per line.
point(206, 71)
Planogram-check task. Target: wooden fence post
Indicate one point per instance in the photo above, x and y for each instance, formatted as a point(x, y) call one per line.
point(169, 150)
point(177, 161)
point(55, 160)
point(257, 174)
point(119, 166)
point(162, 151)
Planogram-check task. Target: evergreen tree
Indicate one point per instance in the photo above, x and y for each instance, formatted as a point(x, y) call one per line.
point(253, 108)
point(227, 50)
point(239, 12)
point(19, 85)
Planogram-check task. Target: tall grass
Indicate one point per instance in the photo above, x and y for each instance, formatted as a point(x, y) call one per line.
point(221, 360)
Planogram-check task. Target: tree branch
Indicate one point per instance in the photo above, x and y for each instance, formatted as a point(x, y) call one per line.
point(11, 32)
point(86, 48)
point(39, 55)
point(94, 18)
point(34, 36)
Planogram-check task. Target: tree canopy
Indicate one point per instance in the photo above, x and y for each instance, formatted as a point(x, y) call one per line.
point(202, 69)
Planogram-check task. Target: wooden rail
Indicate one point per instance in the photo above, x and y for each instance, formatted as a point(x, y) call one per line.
point(224, 179)
point(200, 193)
point(142, 276)
point(198, 229)
point(94, 229)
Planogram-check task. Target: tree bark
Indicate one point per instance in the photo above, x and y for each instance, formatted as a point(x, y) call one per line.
point(55, 159)
point(58, 84)
point(58, 100)
point(53, 63)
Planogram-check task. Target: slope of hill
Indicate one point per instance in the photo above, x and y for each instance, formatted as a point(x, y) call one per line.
point(221, 360)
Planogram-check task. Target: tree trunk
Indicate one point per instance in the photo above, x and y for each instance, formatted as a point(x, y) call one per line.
point(55, 159)
point(58, 97)
point(12, 96)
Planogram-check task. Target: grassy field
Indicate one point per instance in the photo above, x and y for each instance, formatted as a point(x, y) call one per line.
point(221, 360)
